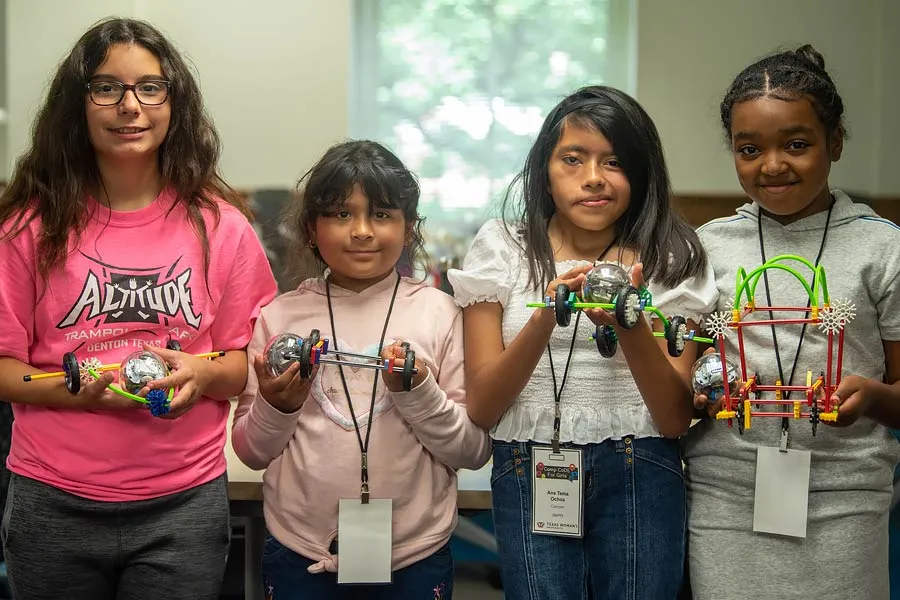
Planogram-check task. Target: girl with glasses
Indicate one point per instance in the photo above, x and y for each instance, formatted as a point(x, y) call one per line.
point(117, 234)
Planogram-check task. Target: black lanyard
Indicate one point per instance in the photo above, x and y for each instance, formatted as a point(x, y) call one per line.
point(785, 421)
point(557, 392)
point(363, 445)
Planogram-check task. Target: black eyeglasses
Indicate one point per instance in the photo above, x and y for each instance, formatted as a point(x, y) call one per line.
point(110, 93)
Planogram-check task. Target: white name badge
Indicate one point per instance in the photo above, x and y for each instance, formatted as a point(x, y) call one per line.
point(364, 541)
point(557, 486)
point(782, 491)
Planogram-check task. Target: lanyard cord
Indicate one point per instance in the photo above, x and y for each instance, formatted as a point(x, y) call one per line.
point(557, 391)
point(363, 445)
point(785, 422)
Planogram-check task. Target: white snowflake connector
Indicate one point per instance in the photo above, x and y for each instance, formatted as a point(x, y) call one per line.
point(88, 363)
point(717, 324)
point(834, 318)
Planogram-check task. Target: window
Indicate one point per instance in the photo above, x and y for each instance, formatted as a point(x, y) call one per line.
point(459, 88)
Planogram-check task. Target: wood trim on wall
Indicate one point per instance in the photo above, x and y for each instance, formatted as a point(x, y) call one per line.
point(889, 208)
point(700, 208)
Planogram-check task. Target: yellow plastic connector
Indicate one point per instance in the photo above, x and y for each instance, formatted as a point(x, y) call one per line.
point(725, 414)
point(796, 409)
point(829, 417)
point(747, 414)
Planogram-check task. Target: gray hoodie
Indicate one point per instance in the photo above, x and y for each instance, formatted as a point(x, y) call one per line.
point(845, 553)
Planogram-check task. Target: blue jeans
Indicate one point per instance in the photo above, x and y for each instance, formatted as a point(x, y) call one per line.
point(634, 525)
point(285, 578)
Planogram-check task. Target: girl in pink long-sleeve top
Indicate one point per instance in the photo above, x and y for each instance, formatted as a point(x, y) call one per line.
point(322, 437)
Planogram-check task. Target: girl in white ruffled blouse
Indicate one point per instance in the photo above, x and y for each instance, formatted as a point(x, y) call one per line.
point(588, 491)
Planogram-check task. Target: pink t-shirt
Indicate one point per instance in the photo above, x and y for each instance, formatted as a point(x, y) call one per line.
point(136, 277)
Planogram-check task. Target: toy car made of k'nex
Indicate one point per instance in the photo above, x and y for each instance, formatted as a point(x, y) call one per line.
point(814, 399)
point(608, 286)
point(134, 372)
point(287, 348)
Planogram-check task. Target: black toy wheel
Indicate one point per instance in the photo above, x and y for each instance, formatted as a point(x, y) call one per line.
point(739, 409)
point(409, 367)
point(72, 371)
point(628, 301)
point(675, 335)
point(606, 340)
point(563, 312)
point(757, 394)
point(814, 417)
point(173, 345)
point(306, 350)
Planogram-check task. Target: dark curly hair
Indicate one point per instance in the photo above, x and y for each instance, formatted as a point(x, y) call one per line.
point(52, 178)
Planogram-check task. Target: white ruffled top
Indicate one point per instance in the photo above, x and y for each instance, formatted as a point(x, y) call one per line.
point(600, 400)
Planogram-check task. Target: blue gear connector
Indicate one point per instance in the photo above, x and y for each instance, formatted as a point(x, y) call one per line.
point(158, 403)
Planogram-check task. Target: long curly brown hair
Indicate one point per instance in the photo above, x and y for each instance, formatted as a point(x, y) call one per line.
point(53, 177)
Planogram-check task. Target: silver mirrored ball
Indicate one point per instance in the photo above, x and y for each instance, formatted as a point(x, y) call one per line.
point(139, 368)
point(603, 281)
point(278, 346)
point(707, 377)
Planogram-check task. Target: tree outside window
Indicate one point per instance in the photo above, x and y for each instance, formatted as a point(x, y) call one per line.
point(459, 89)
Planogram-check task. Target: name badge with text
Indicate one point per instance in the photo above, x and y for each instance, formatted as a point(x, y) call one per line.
point(557, 491)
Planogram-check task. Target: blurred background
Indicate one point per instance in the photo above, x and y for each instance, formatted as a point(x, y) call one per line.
point(459, 88)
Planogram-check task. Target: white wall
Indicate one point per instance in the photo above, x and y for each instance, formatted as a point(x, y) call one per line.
point(887, 150)
point(39, 33)
point(687, 59)
point(275, 75)
point(3, 86)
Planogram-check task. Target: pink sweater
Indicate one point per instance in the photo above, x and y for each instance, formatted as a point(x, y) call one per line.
point(137, 277)
point(419, 438)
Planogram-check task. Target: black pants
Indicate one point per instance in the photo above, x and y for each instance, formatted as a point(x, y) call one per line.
point(60, 546)
point(6, 421)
